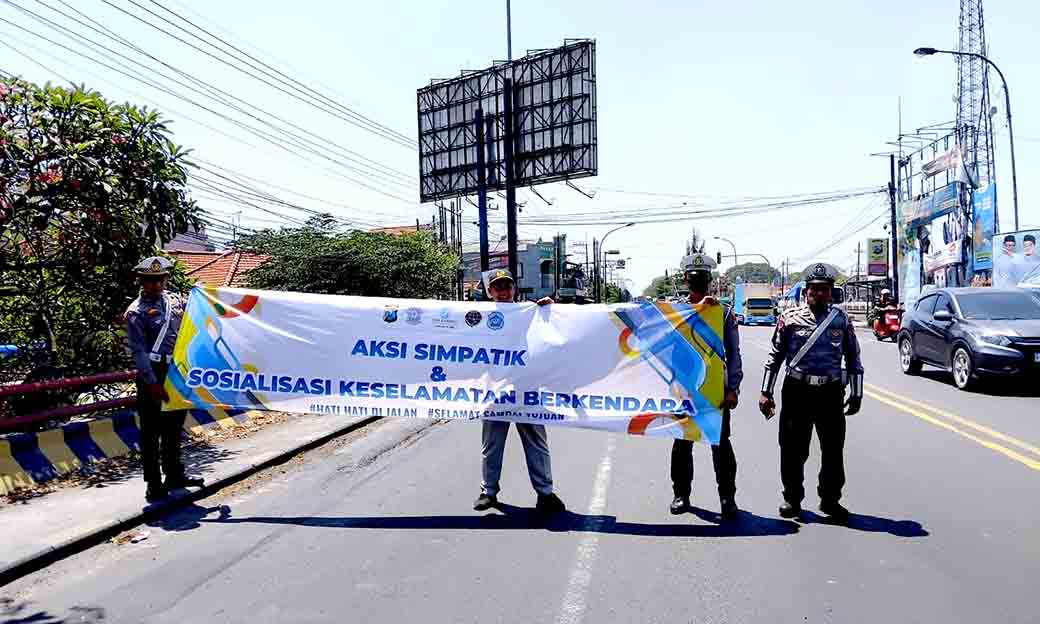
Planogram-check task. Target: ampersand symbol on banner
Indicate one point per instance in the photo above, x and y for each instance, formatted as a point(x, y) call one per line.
point(438, 374)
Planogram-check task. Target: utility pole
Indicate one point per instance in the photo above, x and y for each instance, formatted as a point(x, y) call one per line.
point(508, 140)
point(485, 254)
point(859, 250)
point(895, 238)
point(595, 270)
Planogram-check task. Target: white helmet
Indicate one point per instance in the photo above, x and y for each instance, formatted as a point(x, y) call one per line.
point(698, 263)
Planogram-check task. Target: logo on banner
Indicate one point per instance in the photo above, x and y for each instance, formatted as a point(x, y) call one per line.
point(390, 314)
point(413, 316)
point(473, 318)
point(444, 320)
point(496, 321)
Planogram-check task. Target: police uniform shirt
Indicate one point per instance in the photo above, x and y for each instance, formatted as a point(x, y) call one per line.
point(145, 319)
point(794, 328)
point(731, 342)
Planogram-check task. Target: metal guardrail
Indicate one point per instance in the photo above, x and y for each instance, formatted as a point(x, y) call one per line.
point(65, 411)
point(66, 383)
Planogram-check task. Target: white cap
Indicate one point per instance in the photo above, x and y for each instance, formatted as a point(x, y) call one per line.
point(154, 265)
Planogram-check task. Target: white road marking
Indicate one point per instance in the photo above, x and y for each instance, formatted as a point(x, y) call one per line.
point(572, 611)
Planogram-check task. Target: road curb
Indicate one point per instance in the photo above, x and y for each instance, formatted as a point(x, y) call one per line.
point(37, 561)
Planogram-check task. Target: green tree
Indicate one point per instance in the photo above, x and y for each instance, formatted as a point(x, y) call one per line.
point(664, 286)
point(87, 188)
point(322, 258)
point(752, 272)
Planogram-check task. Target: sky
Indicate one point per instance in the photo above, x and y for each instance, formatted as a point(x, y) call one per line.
point(712, 100)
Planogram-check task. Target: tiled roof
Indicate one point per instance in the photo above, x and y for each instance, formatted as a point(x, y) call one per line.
point(219, 268)
point(402, 229)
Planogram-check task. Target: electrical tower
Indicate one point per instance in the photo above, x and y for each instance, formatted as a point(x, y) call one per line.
point(974, 121)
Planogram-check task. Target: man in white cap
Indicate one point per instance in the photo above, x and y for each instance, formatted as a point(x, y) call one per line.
point(697, 270)
point(813, 339)
point(153, 320)
point(534, 438)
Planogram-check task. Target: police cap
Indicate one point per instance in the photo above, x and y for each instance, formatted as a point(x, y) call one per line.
point(820, 272)
point(154, 265)
point(698, 263)
point(498, 275)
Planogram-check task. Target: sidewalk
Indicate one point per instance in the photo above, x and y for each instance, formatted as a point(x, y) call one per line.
point(47, 528)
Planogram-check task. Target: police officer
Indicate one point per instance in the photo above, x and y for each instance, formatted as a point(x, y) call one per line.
point(812, 339)
point(153, 320)
point(534, 438)
point(697, 269)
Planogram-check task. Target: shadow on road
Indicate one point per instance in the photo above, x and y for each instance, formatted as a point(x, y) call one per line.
point(871, 524)
point(519, 518)
point(188, 518)
point(23, 613)
point(991, 386)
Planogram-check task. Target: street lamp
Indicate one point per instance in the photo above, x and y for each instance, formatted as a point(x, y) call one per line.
point(602, 260)
point(735, 258)
point(1007, 106)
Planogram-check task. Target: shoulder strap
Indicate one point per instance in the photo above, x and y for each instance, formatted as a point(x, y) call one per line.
point(166, 324)
point(822, 327)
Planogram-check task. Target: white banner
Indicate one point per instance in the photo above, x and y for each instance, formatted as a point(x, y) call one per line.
point(642, 369)
point(944, 256)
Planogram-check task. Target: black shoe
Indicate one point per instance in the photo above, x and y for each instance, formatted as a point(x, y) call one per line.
point(679, 505)
point(835, 511)
point(729, 509)
point(484, 502)
point(176, 483)
point(790, 510)
point(549, 503)
point(155, 492)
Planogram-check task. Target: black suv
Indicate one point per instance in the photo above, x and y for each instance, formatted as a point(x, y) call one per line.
point(972, 332)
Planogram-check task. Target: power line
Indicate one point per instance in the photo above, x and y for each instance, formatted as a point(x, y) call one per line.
point(343, 107)
point(260, 133)
point(373, 167)
point(389, 135)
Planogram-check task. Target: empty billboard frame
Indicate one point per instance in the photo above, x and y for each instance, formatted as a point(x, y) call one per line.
point(554, 114)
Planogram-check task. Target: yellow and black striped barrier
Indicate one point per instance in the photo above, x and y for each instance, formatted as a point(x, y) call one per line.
point(27, 459)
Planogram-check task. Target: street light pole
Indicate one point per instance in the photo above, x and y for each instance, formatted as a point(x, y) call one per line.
point(735, 257)
point(1007, 106)
point(600, 260)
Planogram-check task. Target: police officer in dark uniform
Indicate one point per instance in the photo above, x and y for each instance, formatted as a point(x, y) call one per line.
point(812, 339)
point(697, 269)
point(153, 320)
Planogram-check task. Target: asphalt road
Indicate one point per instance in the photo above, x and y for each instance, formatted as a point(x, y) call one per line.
point(943, 486)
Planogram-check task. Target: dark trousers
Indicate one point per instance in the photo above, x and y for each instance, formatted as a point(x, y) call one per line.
point(722, 457)
point(160, 433)
point(803, 407)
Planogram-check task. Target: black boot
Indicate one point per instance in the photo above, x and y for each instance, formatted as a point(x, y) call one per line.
point(485, 502)
point(790, 510)
point(834, 511)
point(728, 509)
point(679, 505)
point(156, 492)
point(550, 504)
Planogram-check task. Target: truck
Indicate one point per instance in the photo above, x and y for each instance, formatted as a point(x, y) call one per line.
point(754, 305)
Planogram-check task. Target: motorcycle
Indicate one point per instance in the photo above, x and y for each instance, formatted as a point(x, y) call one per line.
point(886, 325)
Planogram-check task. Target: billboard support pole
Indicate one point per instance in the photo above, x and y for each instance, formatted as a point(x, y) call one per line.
point(895, 238)
point(510, 137)
point(485, 260)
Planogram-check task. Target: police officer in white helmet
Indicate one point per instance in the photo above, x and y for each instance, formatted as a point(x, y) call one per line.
point(813, 339)
point(697, 270)
point(153, 320)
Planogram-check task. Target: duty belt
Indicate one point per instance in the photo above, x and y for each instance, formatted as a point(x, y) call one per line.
point(165, 358)
point(813, 380)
